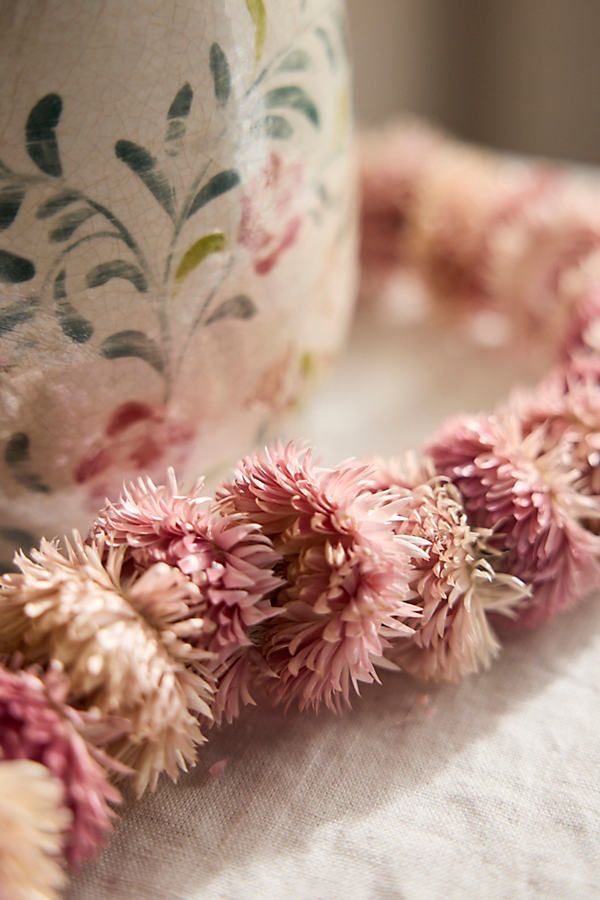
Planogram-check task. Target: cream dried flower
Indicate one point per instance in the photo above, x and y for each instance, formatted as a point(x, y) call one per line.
point(456, 586)
point(33, 822)
point(124, 646)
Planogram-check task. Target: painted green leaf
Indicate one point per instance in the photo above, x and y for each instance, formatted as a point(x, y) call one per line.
point(69, 223)
point(17, 449)
point(17, 458)
point(182, 104)
point(295, 98)
point(15, 269)
point(145, 167)
point(40, 134)
point(275, 127)
point(18, 536)
point(326, 41)
point(16, 313)
point(191, 259)
point(240, 307)
point(219, 68)
point(219, 184)
point(11, 197)
point(132, 343)
point(117, 268)
point(258, 14)
point(175, 130)
point(54, 204)
point(294, 61)
point(73, 325)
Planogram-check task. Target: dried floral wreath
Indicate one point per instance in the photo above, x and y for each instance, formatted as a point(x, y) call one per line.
point(121, 649)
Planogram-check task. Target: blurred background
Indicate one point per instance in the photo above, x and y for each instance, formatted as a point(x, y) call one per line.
point(521, 75)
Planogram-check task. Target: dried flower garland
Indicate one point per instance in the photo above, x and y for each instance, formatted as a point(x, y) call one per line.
point(120, 650)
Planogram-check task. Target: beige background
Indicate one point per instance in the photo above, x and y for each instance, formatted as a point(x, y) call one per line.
point(519, 74)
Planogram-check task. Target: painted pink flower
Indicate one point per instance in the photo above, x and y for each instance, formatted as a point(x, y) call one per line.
point(36, 724)
point(137, 437)
point(271, 220)
point(229, 562)
point(347, 572)
point(527, 498)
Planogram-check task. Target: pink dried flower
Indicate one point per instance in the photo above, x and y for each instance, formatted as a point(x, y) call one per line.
point(33, 822)
point(527, 498)
point(236, 678)
point(126, 646)
point(347, 572)
point(36, 724)
point(565, 410)
point(455, 585)
point(229, 562)
point(584, 327)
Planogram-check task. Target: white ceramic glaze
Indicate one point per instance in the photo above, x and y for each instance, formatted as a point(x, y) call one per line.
point(177, 236)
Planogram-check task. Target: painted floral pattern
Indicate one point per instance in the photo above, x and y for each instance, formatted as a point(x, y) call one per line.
point(93, 251)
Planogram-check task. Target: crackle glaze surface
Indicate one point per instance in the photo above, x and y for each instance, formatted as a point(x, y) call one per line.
point(176, 237)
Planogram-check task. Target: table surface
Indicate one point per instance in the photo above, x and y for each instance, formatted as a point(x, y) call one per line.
point(484, 790)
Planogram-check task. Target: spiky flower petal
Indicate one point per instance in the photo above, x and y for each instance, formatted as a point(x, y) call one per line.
point(33, 822)
point(527, 497)
point(456, 585)
point(37, 724)
point(125, 648)
point(347, 572)
point(230, 562)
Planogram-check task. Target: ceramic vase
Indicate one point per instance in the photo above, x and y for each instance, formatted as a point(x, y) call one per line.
point(177, 248)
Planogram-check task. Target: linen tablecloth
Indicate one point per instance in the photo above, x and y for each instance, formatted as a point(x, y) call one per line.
point(484, 790)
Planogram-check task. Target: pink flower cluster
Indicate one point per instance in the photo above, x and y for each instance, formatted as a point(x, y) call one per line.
point(37, 724)
point(305, 581)
point(486, 233)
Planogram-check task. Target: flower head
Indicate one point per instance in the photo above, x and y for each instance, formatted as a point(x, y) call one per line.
point(455, 584)
point(565, 411)
point(33, 822)
point(125, 645)
point(36, 724)
point(528, 499)
point(229, 562)
point(347, 571)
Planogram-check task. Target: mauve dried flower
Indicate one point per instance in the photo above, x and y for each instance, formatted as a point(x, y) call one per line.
point(456, 585)
point(527, 497)
point(33, 822)
point(230, 562)
point(37, 724)
point(125, 647)
point(347, 572)
point(565, 411)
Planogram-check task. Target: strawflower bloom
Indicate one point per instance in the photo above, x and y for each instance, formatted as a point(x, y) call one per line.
point(565, 410)
point(36, 724)
point(125, 645)
point(528, 499)
point(230, 562)
point(455, 585)
point(33, 821)
point(347, 572)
